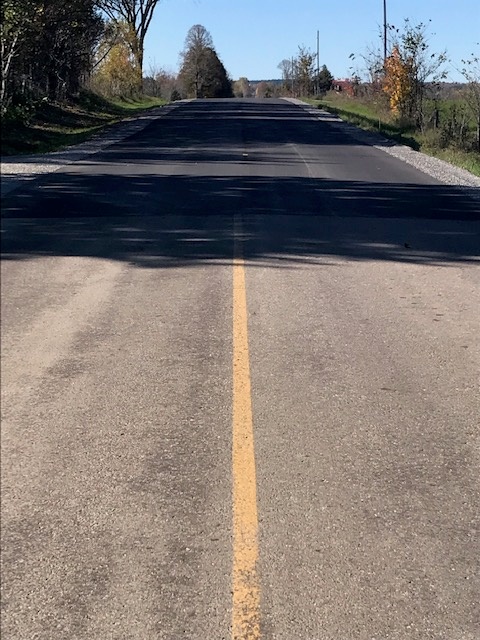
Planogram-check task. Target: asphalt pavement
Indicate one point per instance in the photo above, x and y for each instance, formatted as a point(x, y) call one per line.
point(240, 389)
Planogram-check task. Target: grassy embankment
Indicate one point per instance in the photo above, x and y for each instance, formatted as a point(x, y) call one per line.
point(58, 125)
point(373, 117)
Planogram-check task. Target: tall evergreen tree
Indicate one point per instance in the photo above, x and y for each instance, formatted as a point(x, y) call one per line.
point(324, 80)
point(203, 74)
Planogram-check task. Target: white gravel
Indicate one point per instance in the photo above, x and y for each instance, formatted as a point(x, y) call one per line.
point(17, 170)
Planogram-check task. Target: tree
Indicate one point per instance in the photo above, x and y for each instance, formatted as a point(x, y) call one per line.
point(203, 74)
point(160, 83)
point(324, 80)
point(137, 14)
point(16, 17)
point(300, 77)
point(287, 68)
point(471, 73)
point(372, 68)
point(217, 83)
point(116, 73)
point(47, 47)
point(68, 34)
point(416, 65)
point(263, 90)
point(304, 71)
point(397, 83)
point(241, 88)
point(194, 55)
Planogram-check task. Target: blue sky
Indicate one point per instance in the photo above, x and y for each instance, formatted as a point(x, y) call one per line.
point(253, 36)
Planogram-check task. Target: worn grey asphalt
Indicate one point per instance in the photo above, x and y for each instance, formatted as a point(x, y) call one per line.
point(363, 296)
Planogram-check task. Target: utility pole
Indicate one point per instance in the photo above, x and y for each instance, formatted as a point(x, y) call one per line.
point(384, 32)
point(293, 77)
point(317, 82)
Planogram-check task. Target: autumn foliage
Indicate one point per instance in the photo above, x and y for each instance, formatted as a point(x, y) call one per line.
point(117, 72)
point(397, 83)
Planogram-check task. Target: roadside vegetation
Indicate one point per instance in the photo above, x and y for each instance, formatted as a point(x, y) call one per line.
point(405, 96)
point(371, 114)
point(56, 125)
point(72, 67)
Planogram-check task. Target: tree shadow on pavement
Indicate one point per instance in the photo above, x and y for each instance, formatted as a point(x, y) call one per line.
point(168, 197)
point(161, 221)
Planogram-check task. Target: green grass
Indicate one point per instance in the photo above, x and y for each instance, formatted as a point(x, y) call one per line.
point(375, 117)
point(134, 104)
point(365, 118)
point(468, 160)
point(56, 126)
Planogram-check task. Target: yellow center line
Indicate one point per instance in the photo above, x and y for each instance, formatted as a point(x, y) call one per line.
point(245, 582)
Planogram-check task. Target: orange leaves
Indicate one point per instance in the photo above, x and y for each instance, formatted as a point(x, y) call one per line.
point(397, 82)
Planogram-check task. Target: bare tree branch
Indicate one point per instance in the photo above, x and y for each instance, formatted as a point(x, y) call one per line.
point(137, 14)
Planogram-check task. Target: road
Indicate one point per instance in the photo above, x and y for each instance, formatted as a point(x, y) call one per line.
point(240, 389)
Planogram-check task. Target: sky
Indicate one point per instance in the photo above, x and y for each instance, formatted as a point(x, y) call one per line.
point(252, 37)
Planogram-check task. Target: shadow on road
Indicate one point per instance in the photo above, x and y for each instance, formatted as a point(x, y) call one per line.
point(171, 221)
point(168, 196)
